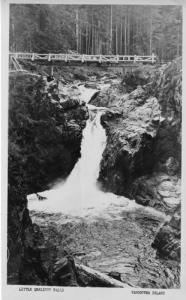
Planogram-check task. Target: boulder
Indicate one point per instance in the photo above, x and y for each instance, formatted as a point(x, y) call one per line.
point(140, 76)
point(91, 85)
point(80, 75)
point(167, 241)
point(158, 190)
point(107, 97)
point(130, 140)
point(32, 269)
point(64, 272)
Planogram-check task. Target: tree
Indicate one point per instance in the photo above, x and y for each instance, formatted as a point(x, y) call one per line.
point(97, 29)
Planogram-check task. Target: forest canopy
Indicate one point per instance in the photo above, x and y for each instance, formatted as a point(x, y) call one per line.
point(97, 29)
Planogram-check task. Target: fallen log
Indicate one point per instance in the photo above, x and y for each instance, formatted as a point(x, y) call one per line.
point(96, 278)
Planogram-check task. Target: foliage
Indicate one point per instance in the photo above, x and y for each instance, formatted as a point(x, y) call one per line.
point(97, 29)
point(167, 87)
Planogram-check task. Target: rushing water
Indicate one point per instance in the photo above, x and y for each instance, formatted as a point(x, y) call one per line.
point(80, 195)
point(113, 232)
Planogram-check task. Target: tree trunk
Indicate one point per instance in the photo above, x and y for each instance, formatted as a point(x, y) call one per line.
point(150, 45)
point(80, 40)
point(116, 39)
point(98, 277)
point(111, 28)
point(178, 41)
point(92, 50)
point(125, 35)
point(121, 33)
point(86, 39)
point(77, 29)
point(128, 34)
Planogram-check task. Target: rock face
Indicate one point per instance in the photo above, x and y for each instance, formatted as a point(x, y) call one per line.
point(162, 188)
point(44, 143)
point(108, 97)
point(167, 241)
point(130, 141)
point(142, 159)
point(44, 134)
point(158, 190)
point(140, 76)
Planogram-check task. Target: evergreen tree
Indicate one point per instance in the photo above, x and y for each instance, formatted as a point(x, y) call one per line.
point(97, 29)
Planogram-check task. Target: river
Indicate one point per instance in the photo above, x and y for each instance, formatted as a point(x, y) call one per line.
point(102, 230)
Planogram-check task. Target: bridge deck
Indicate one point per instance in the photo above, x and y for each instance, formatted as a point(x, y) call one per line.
point(84, 57)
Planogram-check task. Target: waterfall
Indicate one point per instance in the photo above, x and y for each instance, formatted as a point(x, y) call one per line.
point(85, 173)
point(80, 191)
point(112, 232)
point(80, 195)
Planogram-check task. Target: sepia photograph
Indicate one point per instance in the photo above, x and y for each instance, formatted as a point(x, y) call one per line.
point(94, 145)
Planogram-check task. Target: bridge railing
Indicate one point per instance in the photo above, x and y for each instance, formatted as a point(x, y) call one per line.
point(84, 57)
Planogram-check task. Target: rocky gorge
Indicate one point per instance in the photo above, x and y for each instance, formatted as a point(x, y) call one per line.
point(44, 140)
point(141, 161)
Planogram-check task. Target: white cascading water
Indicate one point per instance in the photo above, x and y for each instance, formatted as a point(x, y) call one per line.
point(79, 195)
point(83, 177)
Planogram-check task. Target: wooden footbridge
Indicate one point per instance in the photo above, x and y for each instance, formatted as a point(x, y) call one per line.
point(123, 62)
point(84, 58)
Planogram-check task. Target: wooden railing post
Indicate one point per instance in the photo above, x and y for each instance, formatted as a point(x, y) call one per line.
point(83, 57)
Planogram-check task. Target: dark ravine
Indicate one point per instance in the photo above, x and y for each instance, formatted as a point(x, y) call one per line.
point(45, 133)
point(44, 143)
point(142, 158)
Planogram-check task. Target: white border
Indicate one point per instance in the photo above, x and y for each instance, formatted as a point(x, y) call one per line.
point(12, 291)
